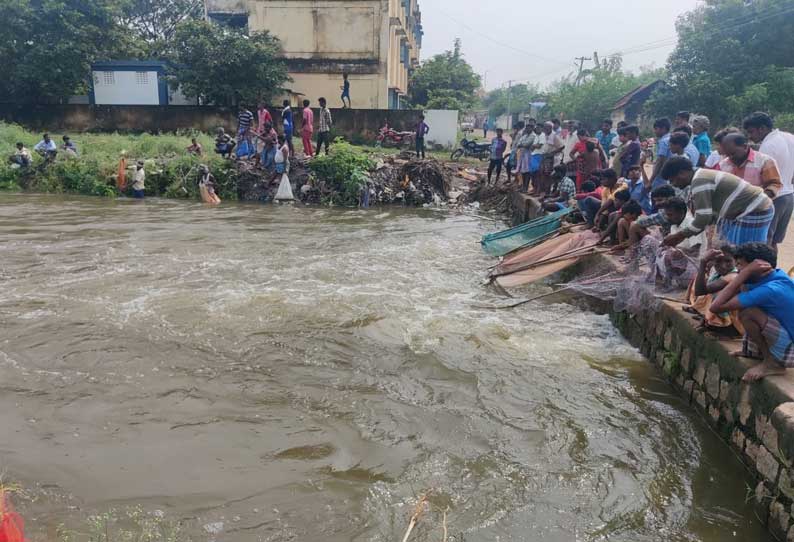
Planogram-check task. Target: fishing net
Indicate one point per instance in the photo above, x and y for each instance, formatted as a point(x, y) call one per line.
point(651, 271)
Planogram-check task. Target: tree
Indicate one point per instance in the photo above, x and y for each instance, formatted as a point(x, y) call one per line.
point(591, 99)
point(725, 49)
point(518, 97)
point(49, 46)
point(445, 81)
point(156, 21)
point(223, 66)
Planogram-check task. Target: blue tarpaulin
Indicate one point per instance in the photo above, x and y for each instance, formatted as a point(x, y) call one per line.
point(500, 243)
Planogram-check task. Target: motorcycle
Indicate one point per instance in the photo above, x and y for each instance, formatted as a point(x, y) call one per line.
point(472, 148)
point(388, 137)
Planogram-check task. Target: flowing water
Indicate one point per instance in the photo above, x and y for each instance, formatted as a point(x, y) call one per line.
point(281, 373)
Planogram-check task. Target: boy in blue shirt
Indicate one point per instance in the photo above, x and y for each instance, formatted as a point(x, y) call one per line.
point(765, 297)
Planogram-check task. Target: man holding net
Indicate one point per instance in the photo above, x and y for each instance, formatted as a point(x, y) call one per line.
point(742, 212)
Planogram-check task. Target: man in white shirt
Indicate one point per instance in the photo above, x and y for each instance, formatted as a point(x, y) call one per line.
point(46, 147)
point(570, 140)
point(138, 186)
point(779, 145)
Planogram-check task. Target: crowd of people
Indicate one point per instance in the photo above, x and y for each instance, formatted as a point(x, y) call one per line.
point(258, 139)
point(46, 148)
point(714, 212)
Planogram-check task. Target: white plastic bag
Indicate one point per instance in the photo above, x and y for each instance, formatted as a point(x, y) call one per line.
point(284, 190)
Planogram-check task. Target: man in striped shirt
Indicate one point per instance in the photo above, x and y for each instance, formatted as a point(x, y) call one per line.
point(742, 212)
point(245, 119)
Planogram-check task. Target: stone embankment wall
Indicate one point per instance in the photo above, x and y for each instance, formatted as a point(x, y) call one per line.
point(756, 420)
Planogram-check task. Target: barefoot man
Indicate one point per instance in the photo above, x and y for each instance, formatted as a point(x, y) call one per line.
point(765, 297)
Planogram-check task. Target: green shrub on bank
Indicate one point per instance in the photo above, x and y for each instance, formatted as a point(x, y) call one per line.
point(345, 168)
point(170, 171)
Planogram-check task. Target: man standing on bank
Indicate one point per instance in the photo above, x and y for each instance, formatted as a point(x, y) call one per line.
point(421, 131)
point(779, 145)
point(326, 122)
point(307, 129)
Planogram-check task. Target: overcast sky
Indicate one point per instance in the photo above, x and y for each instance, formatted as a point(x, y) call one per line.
point(539, 39)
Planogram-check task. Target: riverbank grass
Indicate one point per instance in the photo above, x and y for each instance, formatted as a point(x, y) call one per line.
point(171, 172)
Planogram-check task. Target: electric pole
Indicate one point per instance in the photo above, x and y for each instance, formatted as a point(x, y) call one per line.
point(581, 60)
point(510, 103)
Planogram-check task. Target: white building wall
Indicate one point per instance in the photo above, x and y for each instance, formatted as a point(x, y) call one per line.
point(126, 88)
point(443, 127)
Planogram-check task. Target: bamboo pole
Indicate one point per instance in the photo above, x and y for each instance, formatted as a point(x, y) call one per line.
point(418, 511)
point(552, 259)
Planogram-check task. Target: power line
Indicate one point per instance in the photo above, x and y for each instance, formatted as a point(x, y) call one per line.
point(731, 24)
point(501, 43)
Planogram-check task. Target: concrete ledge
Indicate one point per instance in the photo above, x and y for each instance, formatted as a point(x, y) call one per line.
point(755, 420)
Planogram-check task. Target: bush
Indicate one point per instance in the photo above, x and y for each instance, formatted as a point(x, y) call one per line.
point(170, 172)
point(346, 168)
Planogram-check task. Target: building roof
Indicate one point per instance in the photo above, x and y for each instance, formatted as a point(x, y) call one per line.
point(110, 64)
point(636, 93)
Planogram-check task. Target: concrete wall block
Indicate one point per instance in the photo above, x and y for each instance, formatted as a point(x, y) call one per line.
point(725, 390)
point(679, 381)
point(686, 360)
point(689, 387)
point(767, 465)
point(786, 483)
point(700, 371)
point(782, 421)
point(737, 440)
point(668, 339)
point(712, 381)
point(661, 325)
point(779, 520)
point(659, 358)
point(700, 398)
point(744, 408)
point(768, 435)
point(751, 449)
point(763, 499)
point(714, 414)
point(727, 415)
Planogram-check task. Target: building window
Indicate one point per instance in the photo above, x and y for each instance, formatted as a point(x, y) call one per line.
point(141, 78)
point(109, 78)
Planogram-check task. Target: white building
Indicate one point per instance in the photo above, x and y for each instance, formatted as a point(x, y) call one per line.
point(133, 82)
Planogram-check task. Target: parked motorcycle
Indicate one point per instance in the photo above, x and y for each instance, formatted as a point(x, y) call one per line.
point(388, 137)
point(472, 148)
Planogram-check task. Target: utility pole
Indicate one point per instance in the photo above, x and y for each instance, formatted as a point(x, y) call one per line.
point(581, 60)
point(510, 103)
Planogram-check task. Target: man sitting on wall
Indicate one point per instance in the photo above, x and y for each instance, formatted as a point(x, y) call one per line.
point(765, 297)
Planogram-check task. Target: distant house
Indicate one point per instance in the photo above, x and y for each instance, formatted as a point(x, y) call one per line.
point(629, 107)
point(133, 82)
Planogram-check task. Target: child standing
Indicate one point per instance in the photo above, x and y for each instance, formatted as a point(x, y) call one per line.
point(498, 147)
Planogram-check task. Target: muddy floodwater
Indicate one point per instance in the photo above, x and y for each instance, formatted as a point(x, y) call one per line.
point(289, 373)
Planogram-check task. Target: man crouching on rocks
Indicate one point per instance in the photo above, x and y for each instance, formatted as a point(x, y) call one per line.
point(765, 297)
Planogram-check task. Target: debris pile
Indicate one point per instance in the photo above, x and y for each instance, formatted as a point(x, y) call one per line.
point(394, 179)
